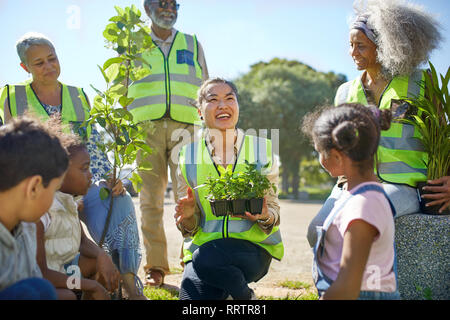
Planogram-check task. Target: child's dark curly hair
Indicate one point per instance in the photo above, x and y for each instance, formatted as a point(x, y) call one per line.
point(351, 128)
point(27, 148)
point(70, 141)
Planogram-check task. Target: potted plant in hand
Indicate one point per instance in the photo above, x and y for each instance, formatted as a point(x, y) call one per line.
point(236, 193)
point(432, 122)
point(259, 184)
point(239, 191)
point(218, 194)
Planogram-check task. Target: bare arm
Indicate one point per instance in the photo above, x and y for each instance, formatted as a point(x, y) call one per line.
point(358, 240)
point(58, 279)
point(105, 267)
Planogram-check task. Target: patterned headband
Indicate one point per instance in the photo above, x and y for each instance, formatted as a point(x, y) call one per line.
point(361, 24)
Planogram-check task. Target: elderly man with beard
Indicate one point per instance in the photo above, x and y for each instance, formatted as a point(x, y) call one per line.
point(166, 98)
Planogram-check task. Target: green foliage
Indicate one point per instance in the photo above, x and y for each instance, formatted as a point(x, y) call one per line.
point(129, 38)
point(295, 284)
point(248, 184)
point(312, 173)
point(277, 95)
point(427, 292)
point(161, 293)
point(432, 122)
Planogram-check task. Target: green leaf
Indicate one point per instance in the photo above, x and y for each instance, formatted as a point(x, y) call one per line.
point(121, 49)
point(140, 73)
point(111, 61)
point(104, 74)
point(145, 165)
point(136, 180)
point(101, 122)
point(119, 10)
point(117, 90)
point(130, 149)
point(104, 193)
point(101, 94)
point(112, 72)
point(144, 146)
point(120, 141)
point(125, 101)
point(111, 32)
point(125, 134)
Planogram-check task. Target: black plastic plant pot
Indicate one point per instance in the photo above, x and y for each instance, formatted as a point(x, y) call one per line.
point(238, 207)
point(254, 206)
point(433, 210)
point(220, 208)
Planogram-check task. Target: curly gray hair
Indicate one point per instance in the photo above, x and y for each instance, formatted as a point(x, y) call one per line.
point(406, 34)
point(28, 40)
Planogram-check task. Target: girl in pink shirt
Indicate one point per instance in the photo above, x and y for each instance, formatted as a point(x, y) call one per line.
point(354, 256)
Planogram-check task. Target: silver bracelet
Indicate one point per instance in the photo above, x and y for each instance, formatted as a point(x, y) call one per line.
point(263, 222)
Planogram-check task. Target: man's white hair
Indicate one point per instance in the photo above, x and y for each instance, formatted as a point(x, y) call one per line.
point(406, 34)
point(28, 40)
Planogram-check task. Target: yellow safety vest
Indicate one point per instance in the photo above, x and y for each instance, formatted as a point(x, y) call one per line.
point(196, 165)
point(171, 89)
point(401, 156)
point(3, 96)
point(74, 105)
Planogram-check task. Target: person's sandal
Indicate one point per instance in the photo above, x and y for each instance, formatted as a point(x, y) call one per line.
point(154, 278)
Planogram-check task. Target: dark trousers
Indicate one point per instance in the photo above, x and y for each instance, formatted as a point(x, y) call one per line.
point(224, 267)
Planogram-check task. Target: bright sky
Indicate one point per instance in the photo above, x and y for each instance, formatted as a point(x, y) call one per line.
point(234, 34)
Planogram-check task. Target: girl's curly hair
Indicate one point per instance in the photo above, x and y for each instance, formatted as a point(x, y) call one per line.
point(406, 34)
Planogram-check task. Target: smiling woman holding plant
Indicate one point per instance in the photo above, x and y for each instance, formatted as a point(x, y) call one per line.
point(222, 254)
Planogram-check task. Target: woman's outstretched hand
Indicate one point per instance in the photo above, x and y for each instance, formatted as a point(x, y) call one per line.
point(185, 207)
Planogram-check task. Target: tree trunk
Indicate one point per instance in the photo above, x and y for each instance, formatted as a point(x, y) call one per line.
point(285, 180)
point(295, 181)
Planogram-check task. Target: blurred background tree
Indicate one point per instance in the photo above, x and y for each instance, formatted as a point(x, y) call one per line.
point(277, 95)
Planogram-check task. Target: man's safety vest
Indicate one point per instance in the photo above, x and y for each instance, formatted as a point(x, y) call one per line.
point(2, 103)
point(401, 156)
point(171, 88)
point(196, 166)
point(74, 105)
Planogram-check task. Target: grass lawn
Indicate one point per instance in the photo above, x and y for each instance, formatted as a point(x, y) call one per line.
point(305, 291)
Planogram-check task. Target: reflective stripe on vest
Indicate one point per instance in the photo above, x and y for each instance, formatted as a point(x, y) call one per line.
point(3, 95)
point(172, 87)
point(74, 105)
point(196, 165)
point(401, 154)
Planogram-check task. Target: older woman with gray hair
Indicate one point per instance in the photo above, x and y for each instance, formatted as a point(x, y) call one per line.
point(389, 41)
point(44, 96)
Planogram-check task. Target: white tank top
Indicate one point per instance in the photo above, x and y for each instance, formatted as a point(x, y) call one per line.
point(63, 235)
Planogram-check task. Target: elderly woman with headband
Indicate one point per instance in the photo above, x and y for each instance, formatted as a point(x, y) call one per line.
point(44, 95)
point(389, 40)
